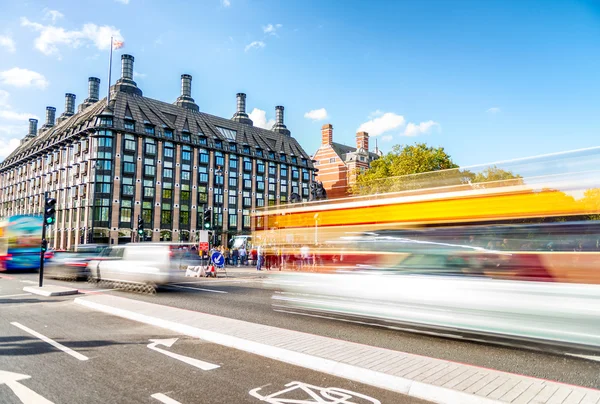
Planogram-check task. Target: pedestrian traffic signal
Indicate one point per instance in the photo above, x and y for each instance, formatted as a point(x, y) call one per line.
point(49, 211)
point(140, 229)
point(207, 218)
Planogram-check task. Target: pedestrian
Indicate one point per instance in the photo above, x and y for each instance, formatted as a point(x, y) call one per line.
point(243, 258)
point(235, 256)
point(259, 258)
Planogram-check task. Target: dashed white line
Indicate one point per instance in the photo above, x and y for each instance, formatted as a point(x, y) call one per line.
point(206, 290)
point(55, 344)
point(164, 399)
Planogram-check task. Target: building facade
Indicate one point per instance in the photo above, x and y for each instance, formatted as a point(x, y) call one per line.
point(114, 160)
point(339, 164)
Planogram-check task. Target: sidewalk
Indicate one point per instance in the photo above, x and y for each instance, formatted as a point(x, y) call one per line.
point(427, 378)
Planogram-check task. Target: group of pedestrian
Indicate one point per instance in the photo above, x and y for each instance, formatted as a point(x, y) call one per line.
point(235, 256)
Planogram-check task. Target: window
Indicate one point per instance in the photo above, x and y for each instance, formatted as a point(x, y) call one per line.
point(150, 149)
point(169, 151)
point(282, 157)
point(219, 180)
point(247, 181)
point(185, 196)
point(128, 168)
point(259, 152)
point(102, 188)
point(272, 169)
point(294, 160)
point(233, 162)
point(260, 167)
point(232, 147)
point(246, 218)
point(219, 160)
point(304, 161)
point(305, 175)
point(167, 193)
point(102, 142)
point(168, 133)
point(247, 164)
point(247, 201)
point(295, 173)
point(149, 129)
point(228, 133)
point(232, 200)
point(246, 149)
point(202, 140)
point(202, 194)
point(332, 160)
point(103, 165)
point(168, 173)
point(150, 171)
point(129, 125)
point(203, 156)
point(219, 144)
point(361, 158)
point(186, 155)
point(185, 137)
point(272, 155)
point(232, 182)
point(106, 121)
point(148, 192)
point(126, 211)
point(232, 220)
point(283, 172)
point(185, 175)
point(165, 216)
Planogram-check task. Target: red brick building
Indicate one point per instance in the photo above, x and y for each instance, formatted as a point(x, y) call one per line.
point(338, 164)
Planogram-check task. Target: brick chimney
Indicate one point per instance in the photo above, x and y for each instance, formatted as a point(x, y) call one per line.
point(327, 134)
point(362, 140)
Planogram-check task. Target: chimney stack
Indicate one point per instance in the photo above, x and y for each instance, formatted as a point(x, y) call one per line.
point(185, 100)
point(50, 116)
point(93, 89)
point(186, 85)
point(327, 134)
point(69, 104)
point(362, 140)
point(241, 115)
point(279, 125)
point(127, 67)
point(32, 127)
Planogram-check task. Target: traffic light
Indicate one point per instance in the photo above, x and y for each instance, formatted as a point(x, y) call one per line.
point(140, 229)
point(49, 211)
point(207, 218)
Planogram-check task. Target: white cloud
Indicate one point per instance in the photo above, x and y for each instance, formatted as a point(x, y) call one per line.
point(52, 15)
point(7, 146)
point(384, 123)
point(23, 78)
point(254, 45)
point(137, 75)
point(122, 1)
point(15, 116)
point(493, 110)
point(259, 117)
point(51, 37)
point(4, 98)
point(375, 114)
point(316, 114)
point(421, 129)
point(386, 138)
point(225, 3)
point(271, 29)
point(8, 43)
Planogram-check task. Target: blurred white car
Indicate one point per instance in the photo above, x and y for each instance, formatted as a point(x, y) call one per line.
point(141, 263)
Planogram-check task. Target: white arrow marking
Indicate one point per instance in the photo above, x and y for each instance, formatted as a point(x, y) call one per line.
point(190, 361)
point(55, 344)
point(26, 395)
point(164, 399)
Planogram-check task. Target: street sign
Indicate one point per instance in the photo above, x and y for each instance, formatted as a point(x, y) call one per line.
point(217, 259)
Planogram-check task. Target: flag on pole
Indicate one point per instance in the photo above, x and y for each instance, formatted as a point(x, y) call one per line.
point(118, 44)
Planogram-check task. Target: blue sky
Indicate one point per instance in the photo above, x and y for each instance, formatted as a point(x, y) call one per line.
point(487, 80)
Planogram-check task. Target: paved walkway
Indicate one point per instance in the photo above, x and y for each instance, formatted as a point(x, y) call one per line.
point(419, 376)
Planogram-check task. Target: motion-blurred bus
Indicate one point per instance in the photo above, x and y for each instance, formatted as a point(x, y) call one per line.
point(20, 240)
point(526, 219)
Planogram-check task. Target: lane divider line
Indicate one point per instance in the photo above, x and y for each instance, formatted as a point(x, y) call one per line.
point(55, 344)
point(164, 399)
point(17, 295)
point(189, 287)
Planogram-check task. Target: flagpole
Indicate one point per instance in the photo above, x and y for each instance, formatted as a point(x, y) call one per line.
point(109, 71)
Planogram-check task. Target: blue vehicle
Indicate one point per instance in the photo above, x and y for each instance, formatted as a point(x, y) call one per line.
point(20, 238)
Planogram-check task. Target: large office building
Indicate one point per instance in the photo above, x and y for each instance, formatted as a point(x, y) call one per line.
point(109, 162)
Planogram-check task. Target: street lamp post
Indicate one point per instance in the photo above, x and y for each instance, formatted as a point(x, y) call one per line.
point(219, 174)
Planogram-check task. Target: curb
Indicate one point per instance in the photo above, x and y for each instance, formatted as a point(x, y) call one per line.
point(400, 385)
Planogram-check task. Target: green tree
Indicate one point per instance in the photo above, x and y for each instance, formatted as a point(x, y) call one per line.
point(493, 176)
point(404, 168)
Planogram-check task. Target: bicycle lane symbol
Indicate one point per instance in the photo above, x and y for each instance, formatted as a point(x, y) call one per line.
point(313, 394)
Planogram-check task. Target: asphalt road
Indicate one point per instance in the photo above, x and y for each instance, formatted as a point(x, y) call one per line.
point(250, 300)
point(121, 368)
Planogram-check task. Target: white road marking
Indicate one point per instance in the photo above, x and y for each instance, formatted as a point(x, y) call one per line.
point(17, 295)
point(36, 282)
point(313, 394)
point(190, 361)
point(164, 399)
point(206, 290)
point(589, 357)
point(55, 344)
point(25, 394)
point(90, 291)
